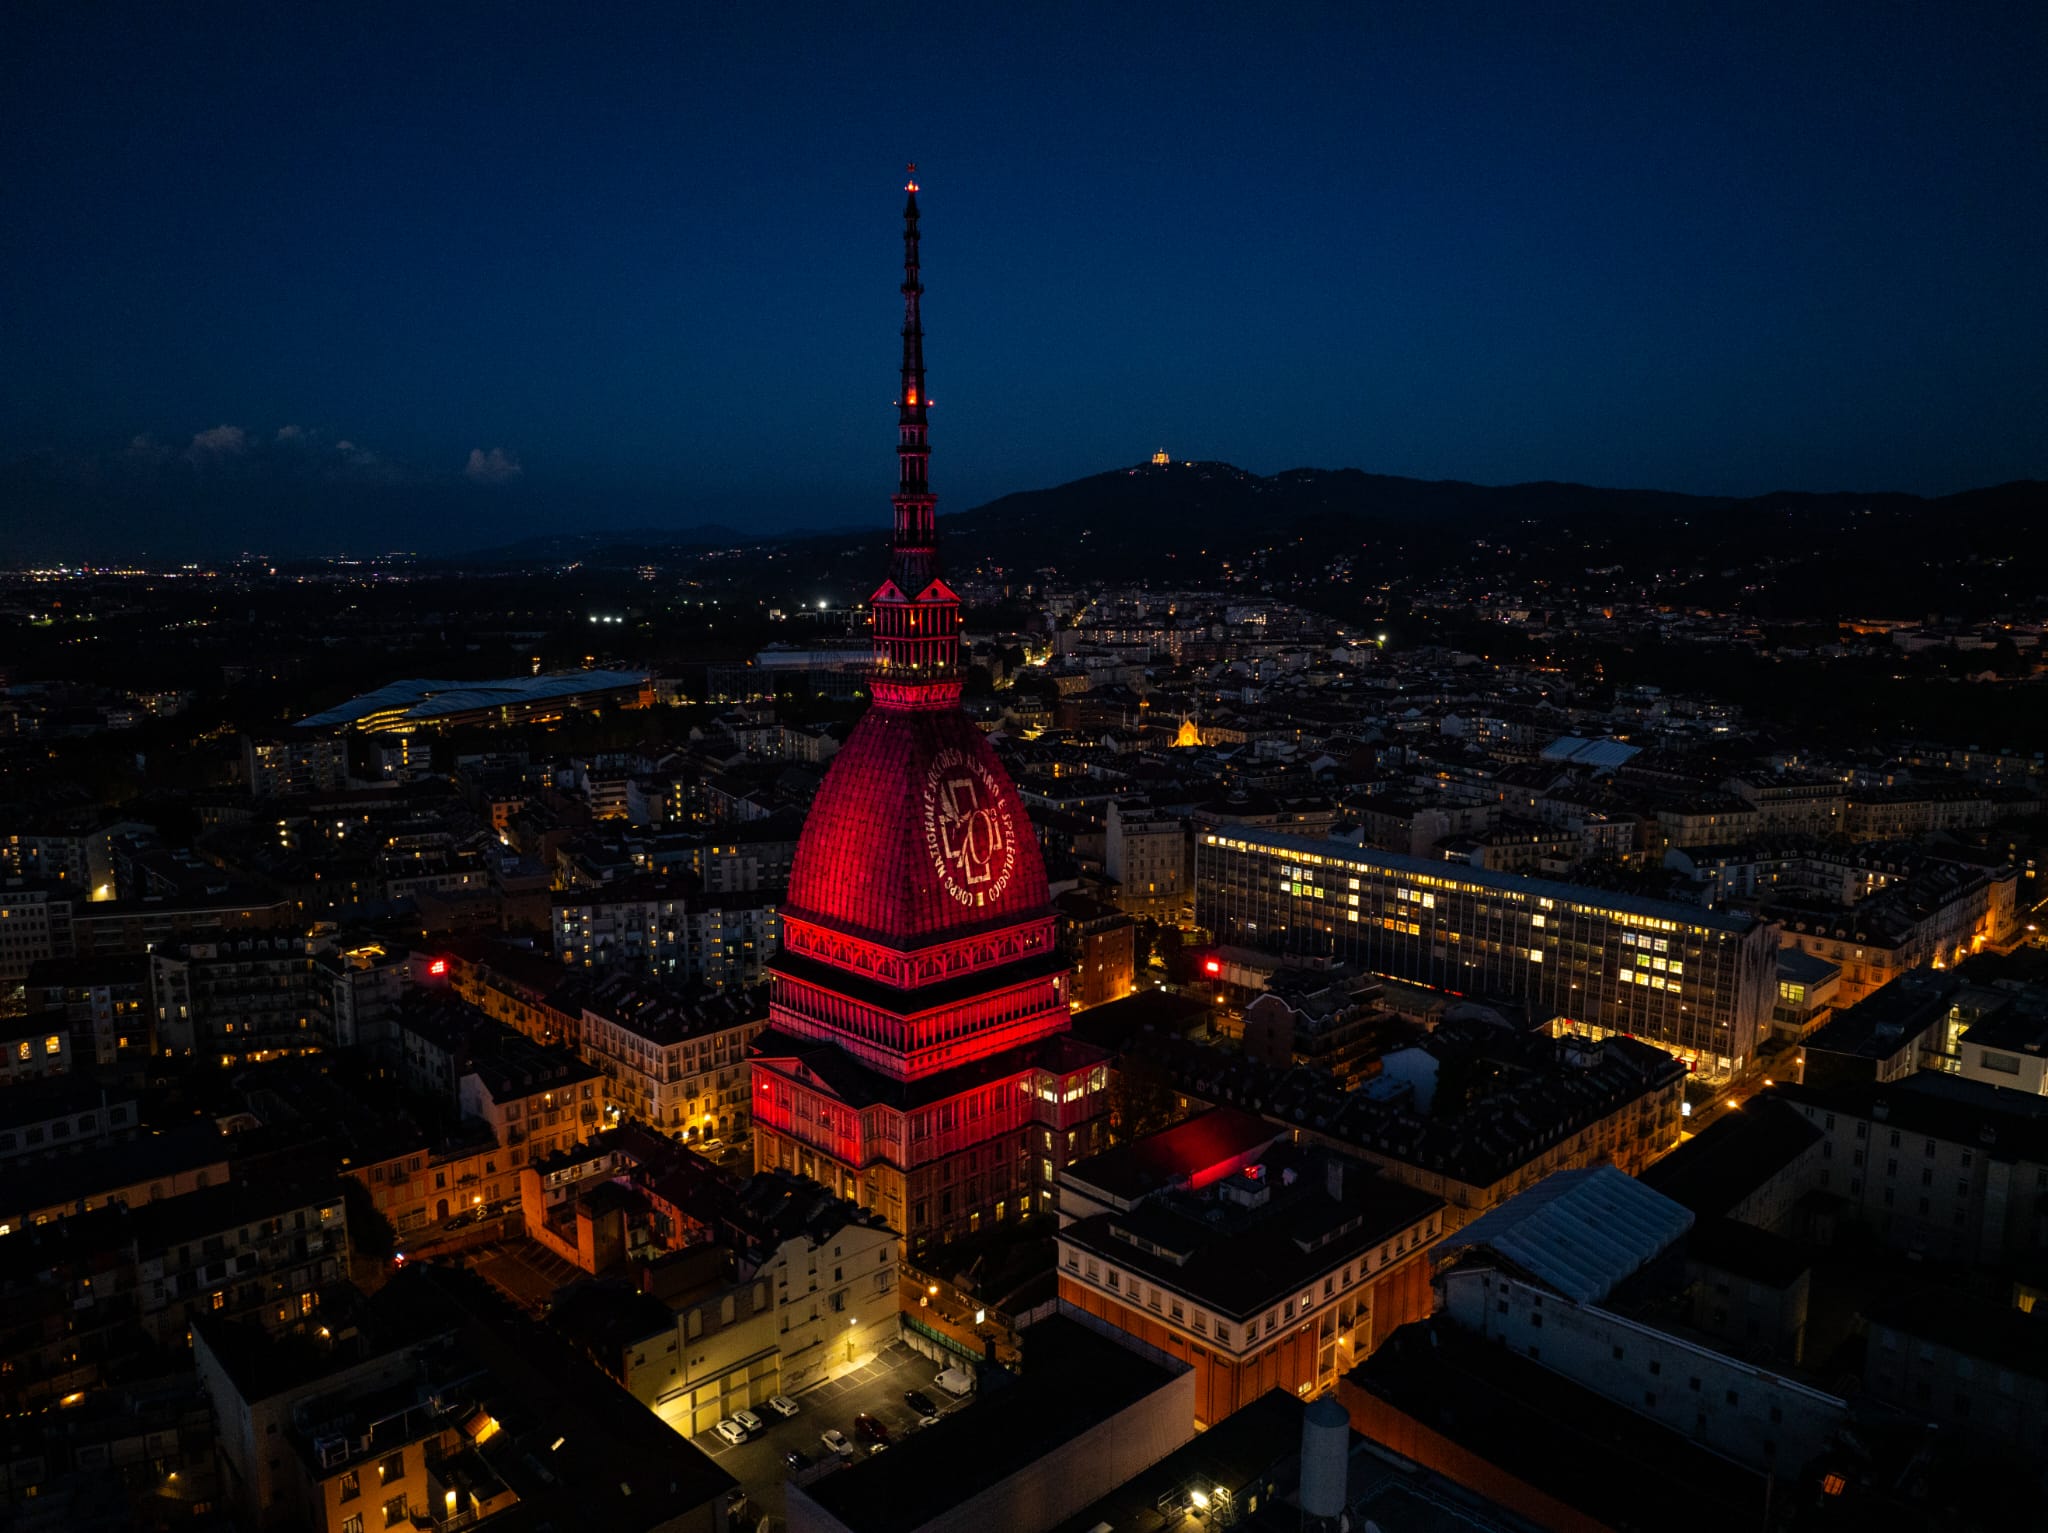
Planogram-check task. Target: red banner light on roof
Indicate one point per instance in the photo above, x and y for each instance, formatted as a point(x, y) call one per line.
point(438, 966)
point(1212, 966)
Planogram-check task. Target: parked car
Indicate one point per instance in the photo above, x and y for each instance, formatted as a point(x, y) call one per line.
point(837, 1442)
point(797, 1459)
point(782, 1405)
point(956, 1381)
point(869, 1429)
point(927, 1409)
point(731, 1431)
point(751, 1424)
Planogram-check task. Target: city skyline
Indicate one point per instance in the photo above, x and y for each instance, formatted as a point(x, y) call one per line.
point(1520, 1006)
point(277, 274)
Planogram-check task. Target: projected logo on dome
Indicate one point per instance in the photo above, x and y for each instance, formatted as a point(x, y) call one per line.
point(967, 829)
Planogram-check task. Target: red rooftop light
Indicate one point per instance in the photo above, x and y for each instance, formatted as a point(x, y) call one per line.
point(1212, 966)
point(438, 966)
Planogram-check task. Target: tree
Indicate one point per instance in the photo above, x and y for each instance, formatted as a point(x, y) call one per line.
point(369, 1232)
point(1142, 1098)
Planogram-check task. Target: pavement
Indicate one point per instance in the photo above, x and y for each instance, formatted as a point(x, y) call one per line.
point(875, 1387)
point(527, 1273)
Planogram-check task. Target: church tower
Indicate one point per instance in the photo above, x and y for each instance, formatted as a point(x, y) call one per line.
point(917, 1058)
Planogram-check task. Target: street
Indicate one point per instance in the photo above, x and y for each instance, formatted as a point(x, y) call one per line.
point(876, 1388)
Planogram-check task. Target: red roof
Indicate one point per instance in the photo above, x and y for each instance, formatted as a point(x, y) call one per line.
point(917, 835)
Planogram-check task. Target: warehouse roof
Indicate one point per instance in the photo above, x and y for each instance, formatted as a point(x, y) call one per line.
point(1582, 1232)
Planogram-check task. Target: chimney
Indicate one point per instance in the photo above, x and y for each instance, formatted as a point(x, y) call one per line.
point(1325, 1464)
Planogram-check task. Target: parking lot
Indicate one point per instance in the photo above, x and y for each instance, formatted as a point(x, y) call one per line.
point(876, 1388)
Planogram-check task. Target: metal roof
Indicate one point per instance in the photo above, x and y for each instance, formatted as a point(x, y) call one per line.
point(1582, 1232)
point(1593, 753)
point(424, 699)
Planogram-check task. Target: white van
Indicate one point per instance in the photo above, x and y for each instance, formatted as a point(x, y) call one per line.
point(956, 1381)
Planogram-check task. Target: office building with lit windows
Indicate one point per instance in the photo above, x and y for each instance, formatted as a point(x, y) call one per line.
point(1700, 983)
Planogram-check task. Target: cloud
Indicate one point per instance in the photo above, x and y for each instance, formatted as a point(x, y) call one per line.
point(312, 452)
point(145, 451)
point(360, 463)
point(253, 457)
point(219, 442)
point(494, 467)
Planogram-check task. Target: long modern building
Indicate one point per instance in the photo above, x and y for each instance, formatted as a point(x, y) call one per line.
point(421, 703)
point(917, 1059)
point(1700, 983)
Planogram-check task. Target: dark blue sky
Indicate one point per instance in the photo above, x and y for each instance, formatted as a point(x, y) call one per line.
point(647, 256)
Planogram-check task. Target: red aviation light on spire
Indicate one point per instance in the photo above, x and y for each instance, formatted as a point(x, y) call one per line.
point(915, 615)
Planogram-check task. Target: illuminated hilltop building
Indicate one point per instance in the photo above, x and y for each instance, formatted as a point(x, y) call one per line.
point(917, 1059)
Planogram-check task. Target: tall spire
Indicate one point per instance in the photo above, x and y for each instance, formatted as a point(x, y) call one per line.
point(916, 616)
point(911, 404)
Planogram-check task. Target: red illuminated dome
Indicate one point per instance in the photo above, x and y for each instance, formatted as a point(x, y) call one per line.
point(916, 836)
point(918, 1057)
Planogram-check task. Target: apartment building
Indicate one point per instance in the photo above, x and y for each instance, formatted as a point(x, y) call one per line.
point(1260, 1262)
point(671, 1059)
point(440, 1409)
point(242, 1000)
point(1939, 913)
point(660, 928)
point(796, 1286)
point(302, 764)
point(35, 926)
point(103, 1003)
point(1145, 855)
point(1797, 803)
point(1551, 1104)
point(1950, 1168)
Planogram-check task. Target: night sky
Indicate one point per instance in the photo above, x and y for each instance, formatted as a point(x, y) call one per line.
point(340, 277)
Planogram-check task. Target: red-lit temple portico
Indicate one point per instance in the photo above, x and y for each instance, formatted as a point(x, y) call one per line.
point(917, 1058)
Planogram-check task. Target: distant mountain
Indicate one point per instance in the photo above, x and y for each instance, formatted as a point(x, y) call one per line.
point(620, 545)
point(1187, 522)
